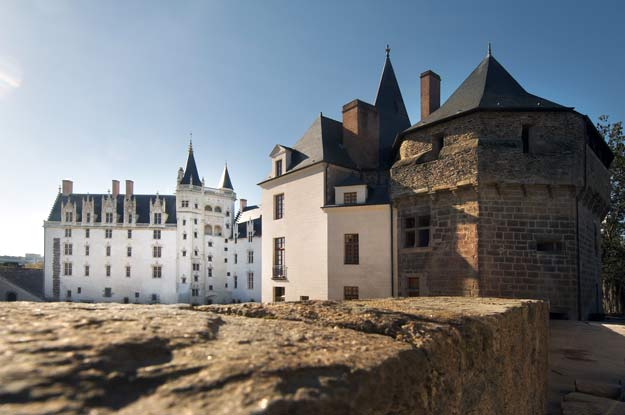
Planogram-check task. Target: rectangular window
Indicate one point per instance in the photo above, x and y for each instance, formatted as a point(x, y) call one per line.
point(278, 203)
point(278, 258)
point(184, 203)
point(79, 290)
point(210, 272)
point(69, 294)
point(236, 281)
point(157, 218)
point(67, 269)
point(351, 248)
point(157, 271)
point(349, 198)
point(108, 270)
point(68, 233)
point(157, 251)
point(127, 272)
point(210, 258)
point(86, 233)
point(108, 292)
point(250, 257)
point(184, 236)
point(157, 234)
point(69, 216)
point(210, 244)
point(86, 270)
point(129, 251)
point(108, 251)
point(108, 217)
point(195, 221)
point(88, 217)
point(136, 295)
point(195, 292)
point(129, 233)
point(278, 167)
point(196, 267)
point(417, 231)
point(195, 235)
point(196, 278)
point(108, 233)
point(236, 259)
point(86, 250)
point(279, 294)
point(250, 237)
point(184, 253)
point(413, 286)
point(154, 298)
point(68, 249)
point(130, 218)
point(210, 288)
point(184, 222)
point(350, 293)
point(250, 280)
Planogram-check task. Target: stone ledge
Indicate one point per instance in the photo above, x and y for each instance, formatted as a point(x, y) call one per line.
point(448, 355)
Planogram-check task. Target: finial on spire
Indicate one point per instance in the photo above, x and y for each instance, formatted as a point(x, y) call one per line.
point(190, 142)
point(388, 50)
point(489, 54)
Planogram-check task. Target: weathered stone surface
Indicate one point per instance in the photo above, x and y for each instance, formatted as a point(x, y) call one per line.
point(583, 404)
point(602, 389)
point(398, 356)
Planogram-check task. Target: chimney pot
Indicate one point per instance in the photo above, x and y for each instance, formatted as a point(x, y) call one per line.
point(242, 204)
point(68, 187)
point(430, 93)
point(115, 188)
point(130, 188)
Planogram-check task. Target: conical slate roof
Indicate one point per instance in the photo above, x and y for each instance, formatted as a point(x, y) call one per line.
point(489, 87)
point(191, 175)
point(225, 182)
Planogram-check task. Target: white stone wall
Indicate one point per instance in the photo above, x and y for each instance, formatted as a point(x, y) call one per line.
point(304, 227)
point(242, 267)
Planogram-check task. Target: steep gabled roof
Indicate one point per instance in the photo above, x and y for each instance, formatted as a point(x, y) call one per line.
point(224, 181)
point(489, 87)
point(191, 175)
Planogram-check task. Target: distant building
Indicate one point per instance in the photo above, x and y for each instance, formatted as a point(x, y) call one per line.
point(145, 248)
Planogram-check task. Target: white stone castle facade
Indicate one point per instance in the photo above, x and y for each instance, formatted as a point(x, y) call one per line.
point(191, 247)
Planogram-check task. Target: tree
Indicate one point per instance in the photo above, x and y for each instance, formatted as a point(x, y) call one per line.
point(613, 231)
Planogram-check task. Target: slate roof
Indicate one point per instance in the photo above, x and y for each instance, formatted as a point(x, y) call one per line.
point(30, 280)
point(241, 227)
point(323, 141)
point(142, 212)
point(489, 87)
point(351, 180)
point(224, 181)
point(190, 172)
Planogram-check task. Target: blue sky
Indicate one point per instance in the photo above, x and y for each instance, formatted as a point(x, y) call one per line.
point(94, 91)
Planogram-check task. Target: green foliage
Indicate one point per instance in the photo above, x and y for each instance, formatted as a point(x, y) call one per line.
point(613, 232)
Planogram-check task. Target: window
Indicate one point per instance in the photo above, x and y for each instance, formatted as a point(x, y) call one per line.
point(210, 244)
point(227, 274)
point(210, 272)
point(157, 218)
point(208, 230)
point(157, 234)
point(129, 233)
point(225, 259)
point(86, 250)
point(108, 233)
point(250, 236)
point(130, 218)
point(79, 290)
point(227, 213)
point(549, 246)
point(184, 236)
point(304, 298)
point(210, 288)
point(278, 206)
point(195, 205)
point(196, 278)
point(236, 259)
point(126, 300)
point(129, 251)
point(349, 198)
point(278, 258)
point(127, 272)
point(278, 167)
point(525, 138)
point(413, 286)
point(108, 270)
point(69, 216)
point(225, 249)
point(67, 268)
point(208, 208)
point(184, 222)
point(195, 292)
point(350, 293)
point(184, 280)
point(88, 217)
point(68, 233)
point(108, 250)
point(250, 257)
point(157, 271)
point(195, 221)
point(86, 270)
point(438, 142)
point(195, 235)
point(351, 248)
point(68, 249)
point(136, 295)
point(218, 209)
point(210, 258)
point(217, 230)
point(108, 292)
point(108, 217)
point(154, 298)
point(184, 203)
point(279, 294)
point(236, 282)
point(157, 251)
point(417, 231)
point(250, 280)
point(86, 233)
point(196, 267)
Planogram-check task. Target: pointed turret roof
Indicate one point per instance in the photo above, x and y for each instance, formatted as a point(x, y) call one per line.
point(225, 182)
point(489, 87)
point(191, 175)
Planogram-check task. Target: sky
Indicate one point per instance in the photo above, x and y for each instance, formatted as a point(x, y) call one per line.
point(98, 90)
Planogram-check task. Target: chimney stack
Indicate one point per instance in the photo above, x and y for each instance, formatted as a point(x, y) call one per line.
point(68, 187)
point(242, 204)
point(115, 188)
point(130, 187)
point(430, 93)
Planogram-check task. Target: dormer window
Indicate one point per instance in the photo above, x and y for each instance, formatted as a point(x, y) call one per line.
point(278, 168)
point(130, 218)
point(349, 198)
point(88, 217)
point(108, 217)
point(69, 216)
point(157, 218)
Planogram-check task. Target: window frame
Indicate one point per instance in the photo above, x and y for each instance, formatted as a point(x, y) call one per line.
point(351, 249)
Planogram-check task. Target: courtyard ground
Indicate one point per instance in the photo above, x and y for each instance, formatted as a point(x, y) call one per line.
point(584, 350)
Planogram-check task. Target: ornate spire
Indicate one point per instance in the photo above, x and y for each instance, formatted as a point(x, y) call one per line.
point(388, 50)
point(191, 175)
point(225, 182)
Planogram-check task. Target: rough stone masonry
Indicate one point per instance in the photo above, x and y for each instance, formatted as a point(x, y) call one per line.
point(396, 356)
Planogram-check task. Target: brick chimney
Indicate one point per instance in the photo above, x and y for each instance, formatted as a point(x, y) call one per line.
point(68, 187)
point(242, 204)
point(430, 93)
point(115, 188)
point(361, 133)
point(130, 188)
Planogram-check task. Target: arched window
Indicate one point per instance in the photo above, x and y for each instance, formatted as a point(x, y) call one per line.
point(217, 230)
point(208, 208)
point(217, 209)
point(208, 230)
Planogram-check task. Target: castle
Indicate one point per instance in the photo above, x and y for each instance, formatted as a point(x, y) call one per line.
point(190, 247)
